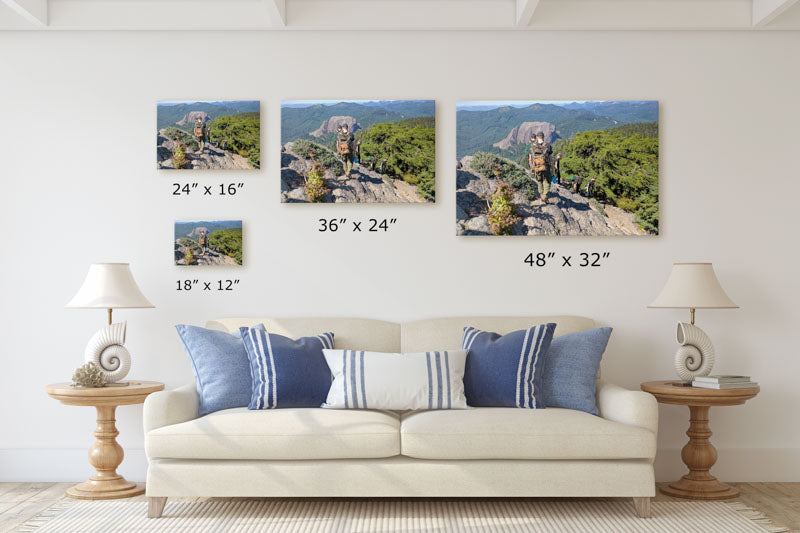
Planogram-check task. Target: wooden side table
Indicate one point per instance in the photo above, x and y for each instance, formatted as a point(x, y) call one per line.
point(698, 454)
point(106, 454)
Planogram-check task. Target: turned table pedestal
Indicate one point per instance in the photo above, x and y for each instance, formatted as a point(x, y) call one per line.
point(106, 454)
point(698, 454)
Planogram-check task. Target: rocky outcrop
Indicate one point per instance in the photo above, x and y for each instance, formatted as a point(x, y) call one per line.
point(363, 185)
point(568, 213)
point(212, 157)
point(210, 257)
point(522, 134)
point(191, 116)
point(330, 125)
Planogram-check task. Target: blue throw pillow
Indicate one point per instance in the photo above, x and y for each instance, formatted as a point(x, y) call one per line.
point(286, 372)
point(506, 371)
point(220, 365)
point(570, 369)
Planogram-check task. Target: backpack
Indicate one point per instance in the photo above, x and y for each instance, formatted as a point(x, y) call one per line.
point(539, 164)
point(198, 130)
point(344, 148)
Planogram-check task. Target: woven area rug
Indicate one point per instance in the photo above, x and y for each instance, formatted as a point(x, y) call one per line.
point(565, 516)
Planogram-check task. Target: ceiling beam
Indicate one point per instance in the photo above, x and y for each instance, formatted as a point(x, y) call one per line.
point(525, 9)
point(766, 11)
point(34, 11)
point(277, 9)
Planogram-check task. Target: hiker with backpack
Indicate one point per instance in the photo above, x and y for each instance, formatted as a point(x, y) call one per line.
point(202, 240)
point(539, 160)
point(200, 133)
point(345, 148)
point(590, 188)
point(357, 157)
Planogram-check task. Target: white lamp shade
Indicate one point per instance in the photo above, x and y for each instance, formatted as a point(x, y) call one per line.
point(109, 286)
point(693, 286)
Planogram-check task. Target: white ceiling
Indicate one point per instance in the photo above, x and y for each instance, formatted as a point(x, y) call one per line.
point(399, 14)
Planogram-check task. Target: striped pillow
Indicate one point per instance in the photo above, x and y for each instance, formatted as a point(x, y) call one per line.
point(286, 372)
point(506, 371)
point(375, 380)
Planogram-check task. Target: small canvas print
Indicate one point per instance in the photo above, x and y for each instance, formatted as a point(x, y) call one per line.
point(358, 151)
point(557, 168)
point(208, 242)
point(218, 135)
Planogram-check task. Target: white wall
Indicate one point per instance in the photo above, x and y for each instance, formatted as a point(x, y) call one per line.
point(77, 117)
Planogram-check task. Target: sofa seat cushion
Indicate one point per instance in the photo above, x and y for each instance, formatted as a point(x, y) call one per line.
point(280, 434)
point(509, 433)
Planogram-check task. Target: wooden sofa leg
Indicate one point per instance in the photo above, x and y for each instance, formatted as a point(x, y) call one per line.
point(642, 506)
point(155, 506)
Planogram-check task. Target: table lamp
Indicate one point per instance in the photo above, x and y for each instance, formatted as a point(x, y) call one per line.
point(693, 286)
point(109, 286)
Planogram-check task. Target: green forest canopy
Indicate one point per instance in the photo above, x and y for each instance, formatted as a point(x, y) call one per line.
point(625, 162)
point(240, 134)
point(228, 242)
point(409, 147)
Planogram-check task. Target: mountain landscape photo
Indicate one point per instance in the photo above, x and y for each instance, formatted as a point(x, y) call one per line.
point(385, 154)
point(216, 135)
point(208, 242)
point(597, 173)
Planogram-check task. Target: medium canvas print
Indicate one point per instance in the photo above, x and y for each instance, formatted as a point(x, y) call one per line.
point(557, 168)
point(358, 151)
point(218, 135)
point(208, 242)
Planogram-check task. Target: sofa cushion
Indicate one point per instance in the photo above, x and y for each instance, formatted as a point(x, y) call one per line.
point(280, 434)
point(397, 381)
point(286, 372)
point(506, 370)
point(510, 433)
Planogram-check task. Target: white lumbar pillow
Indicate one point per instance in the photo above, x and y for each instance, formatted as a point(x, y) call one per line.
point(396, 381)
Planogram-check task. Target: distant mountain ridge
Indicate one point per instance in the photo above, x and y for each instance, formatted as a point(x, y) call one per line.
point(172, 114)
point(184, 229)
point(481, 129)
point(298, 122)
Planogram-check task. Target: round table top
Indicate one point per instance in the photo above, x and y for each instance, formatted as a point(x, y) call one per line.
point(132, 392)
point(674, 392)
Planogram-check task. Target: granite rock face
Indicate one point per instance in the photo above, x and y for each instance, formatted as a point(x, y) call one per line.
point(567, 213)
point(213, 157)
point(330, 125)
point(363, 185)
point(522, 134)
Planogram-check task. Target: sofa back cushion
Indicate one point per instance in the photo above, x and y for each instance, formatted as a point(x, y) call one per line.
point(446, 333)
point(351, 333)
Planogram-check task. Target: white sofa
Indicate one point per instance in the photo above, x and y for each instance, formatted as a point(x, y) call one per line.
point(480, 452)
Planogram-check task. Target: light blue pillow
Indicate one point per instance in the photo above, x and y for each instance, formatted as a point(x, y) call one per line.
point(220, 365)
point(286, 372)
point(570, 369)
point(506, 371)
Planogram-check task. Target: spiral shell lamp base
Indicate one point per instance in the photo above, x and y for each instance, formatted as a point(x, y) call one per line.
point(106, 349)
point(695, 357)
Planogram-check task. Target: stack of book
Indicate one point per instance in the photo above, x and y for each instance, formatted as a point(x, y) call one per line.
point(723, 382)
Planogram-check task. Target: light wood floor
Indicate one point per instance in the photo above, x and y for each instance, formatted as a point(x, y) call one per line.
point(21, 501)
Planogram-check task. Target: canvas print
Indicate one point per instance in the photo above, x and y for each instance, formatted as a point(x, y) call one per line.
point(356, 151)
point(557, 168)
point(219, 135)
point(208, 242)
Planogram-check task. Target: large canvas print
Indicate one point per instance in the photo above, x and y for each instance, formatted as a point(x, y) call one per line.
point(216, 135)
point(557, 168)
point(358, 151)
point(208, 242)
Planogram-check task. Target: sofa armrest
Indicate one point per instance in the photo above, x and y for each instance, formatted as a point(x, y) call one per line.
point(632, 407)
point(169, 407)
